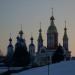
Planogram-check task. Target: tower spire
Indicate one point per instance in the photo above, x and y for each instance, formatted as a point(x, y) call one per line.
point(65, 38)
point(31, 39)
point(21, 26)
point(52, 11)
point(52, 17)
point(10, 50)
point(10, 34)
point(65, 26)
point(10, 39)
point(65, 31)
point(21, 32)
point(40, 39)
point(40, 30)
point(40, 25)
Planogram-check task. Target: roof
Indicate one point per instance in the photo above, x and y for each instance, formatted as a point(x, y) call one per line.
point(52, 28)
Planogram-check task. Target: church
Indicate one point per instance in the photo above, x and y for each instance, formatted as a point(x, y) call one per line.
point(44, 55)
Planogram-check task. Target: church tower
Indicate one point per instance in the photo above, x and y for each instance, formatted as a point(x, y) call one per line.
point(10, 49)
point(21, 40)
point(21, 55)
point(65, 38)
point(32, 51)
point(40, 39)
point(32, 47)
point(52, 34)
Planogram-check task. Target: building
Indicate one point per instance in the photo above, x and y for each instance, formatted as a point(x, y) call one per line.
point(10, 51)
point(44, 55)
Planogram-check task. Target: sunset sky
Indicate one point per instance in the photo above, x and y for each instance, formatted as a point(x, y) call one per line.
point(30, 13)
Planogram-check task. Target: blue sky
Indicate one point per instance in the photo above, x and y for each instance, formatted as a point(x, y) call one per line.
point(29, 13)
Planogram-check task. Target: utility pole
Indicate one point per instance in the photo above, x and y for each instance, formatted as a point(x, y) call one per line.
point(49, 62)
point(48, 65)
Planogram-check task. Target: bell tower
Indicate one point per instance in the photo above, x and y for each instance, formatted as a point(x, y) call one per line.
point(40, 39)
point(10, 50)
point(52, 34)
point(65, 38)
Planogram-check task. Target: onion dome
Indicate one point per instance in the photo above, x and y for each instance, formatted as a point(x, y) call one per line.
point(21, 32)
point(10, 42)
point(10, 39)
point(31, 38)
point(52, 18)
point(32, 44)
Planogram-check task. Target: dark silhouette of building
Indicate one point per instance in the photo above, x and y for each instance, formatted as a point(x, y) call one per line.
point(53, 51)
point(10, 52)
point(21, 55)
point(58, 55)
